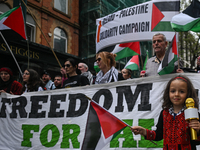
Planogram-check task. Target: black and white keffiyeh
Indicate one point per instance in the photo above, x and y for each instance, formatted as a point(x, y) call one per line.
point(111, 74)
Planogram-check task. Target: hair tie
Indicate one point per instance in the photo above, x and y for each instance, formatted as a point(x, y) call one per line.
point(182, 78)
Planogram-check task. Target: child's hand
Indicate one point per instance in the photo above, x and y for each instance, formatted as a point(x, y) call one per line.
point(139, 130)
point(195, 124)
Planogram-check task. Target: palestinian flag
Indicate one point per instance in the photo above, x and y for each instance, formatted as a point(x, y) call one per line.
point(162, 13)
point(171, 56)
point(133, 63)
point(101, 127)
point(13, 20)
point(126, 50)
point(189, 19)
point(145, 62)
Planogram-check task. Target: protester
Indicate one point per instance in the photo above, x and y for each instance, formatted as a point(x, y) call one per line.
point(47, 80)
point(85, 72)
point(108, 72)
point(7, 83)
point(58, 81)
point(126, 73)
point(171, 125)
point(73, 79)
point(32, 82)
point(159, 45)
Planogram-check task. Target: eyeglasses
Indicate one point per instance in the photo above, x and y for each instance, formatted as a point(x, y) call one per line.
point(26, 73)
point(98, 59)
point(67, 65)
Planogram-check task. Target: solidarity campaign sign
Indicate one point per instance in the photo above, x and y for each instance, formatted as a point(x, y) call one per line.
point(137, 23)
point(57, 119)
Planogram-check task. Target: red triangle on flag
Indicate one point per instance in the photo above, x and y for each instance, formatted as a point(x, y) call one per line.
point(135, 46)
point(135, 59)
point(109, 123)
point(157, 16)
point(15, 21)
point(174, 46)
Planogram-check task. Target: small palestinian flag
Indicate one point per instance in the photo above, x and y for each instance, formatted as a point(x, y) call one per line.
point(133, 63)
point(13, 20)
point(171, 56)
point(101, 127)
point(126, 50)
point(189, 19)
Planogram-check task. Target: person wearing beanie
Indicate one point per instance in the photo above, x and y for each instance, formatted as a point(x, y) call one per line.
point(7, 83)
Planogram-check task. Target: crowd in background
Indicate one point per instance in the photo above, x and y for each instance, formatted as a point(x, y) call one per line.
point(74, 74)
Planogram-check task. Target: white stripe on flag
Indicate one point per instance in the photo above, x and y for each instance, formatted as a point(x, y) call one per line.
point(182, 19)
point(2, 26)
point(117, 49)
point(102, 141)
point(168, 15)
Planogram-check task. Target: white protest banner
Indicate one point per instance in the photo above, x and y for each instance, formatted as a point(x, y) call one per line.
point(137, 23)
point(56, 119)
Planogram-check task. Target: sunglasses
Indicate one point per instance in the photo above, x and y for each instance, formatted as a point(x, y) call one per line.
point(67, 65)
point(98, 59)
point(26, 73)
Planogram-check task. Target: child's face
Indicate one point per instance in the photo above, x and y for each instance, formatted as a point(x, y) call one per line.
point(178, 93)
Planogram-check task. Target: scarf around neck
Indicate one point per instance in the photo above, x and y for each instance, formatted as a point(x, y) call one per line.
point(106, 78)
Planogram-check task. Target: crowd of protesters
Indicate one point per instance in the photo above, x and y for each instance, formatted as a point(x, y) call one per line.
point(74, 74)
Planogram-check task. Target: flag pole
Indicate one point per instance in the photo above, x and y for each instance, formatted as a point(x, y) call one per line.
point(11, 53)
point(141, 61)
point(43, 34)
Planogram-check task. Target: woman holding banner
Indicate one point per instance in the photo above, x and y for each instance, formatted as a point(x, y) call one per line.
point(108, 72)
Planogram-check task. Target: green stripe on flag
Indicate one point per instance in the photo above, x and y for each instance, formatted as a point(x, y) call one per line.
point(133, 67)
point(163, 26)
point(168, 69)
point(6, 14)
point(126, 52)
point(193, 26)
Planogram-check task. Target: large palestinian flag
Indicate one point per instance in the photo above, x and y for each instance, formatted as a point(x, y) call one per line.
point(161, 14)
point(101, 127)
point(189, 19)
point(13, 20)
point(171, 56)
point(126, 50)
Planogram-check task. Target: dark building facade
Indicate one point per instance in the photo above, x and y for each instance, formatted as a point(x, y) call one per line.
point(59, 22)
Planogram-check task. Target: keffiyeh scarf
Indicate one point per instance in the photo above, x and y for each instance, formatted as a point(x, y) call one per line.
point(111, 74)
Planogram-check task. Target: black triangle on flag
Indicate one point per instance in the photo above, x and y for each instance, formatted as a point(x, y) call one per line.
point(92, 131)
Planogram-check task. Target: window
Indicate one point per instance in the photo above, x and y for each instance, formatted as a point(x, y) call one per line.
point(61, 5)
point(60, 40)
point(3, 8)
point(30, 28)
